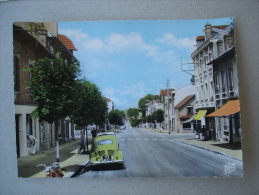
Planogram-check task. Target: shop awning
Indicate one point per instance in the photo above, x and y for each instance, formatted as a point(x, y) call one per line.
point(231, 107)
point(190, 119)
point(200, 114)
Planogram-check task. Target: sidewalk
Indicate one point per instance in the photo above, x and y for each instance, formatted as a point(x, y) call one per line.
point(231, 150)
point(70, 161)
point(228, 149)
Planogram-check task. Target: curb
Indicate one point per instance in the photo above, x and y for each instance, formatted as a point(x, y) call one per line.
point(215, 151)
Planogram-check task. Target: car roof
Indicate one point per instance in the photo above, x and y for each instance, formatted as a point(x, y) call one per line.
point(105, 133)
point(112, 137)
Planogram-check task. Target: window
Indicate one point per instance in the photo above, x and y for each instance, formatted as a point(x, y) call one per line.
point(189, 110)
point(187, 125)
point(216, 82)
point(104, 141)
point(16, 73)
point(230, 79)
point(223, 81)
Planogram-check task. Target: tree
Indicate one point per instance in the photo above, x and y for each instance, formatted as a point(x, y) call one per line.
point(52, 84)
point(143, 101)
point(115, 117)
point(133, 112)
point(90, 106)
point(160, 115)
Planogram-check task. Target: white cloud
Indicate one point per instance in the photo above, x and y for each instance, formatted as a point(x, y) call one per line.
point(127, 96)
point(93, 44)
point(74, 34)
point(171, 40)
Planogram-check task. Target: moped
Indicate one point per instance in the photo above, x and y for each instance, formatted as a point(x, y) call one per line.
point(52, 171)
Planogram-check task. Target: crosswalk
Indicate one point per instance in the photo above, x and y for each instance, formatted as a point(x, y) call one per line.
point(145, 139)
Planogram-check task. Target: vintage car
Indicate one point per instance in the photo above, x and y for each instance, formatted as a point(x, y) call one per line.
point(105, 150)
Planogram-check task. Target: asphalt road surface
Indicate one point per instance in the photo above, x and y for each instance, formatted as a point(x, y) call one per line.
point(150, 154)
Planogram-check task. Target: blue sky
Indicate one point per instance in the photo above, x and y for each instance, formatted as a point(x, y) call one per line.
point(130, 59)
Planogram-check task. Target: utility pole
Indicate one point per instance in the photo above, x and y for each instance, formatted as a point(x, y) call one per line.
point(168, 97)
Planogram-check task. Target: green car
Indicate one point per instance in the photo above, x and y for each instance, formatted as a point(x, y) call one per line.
point(105, 150)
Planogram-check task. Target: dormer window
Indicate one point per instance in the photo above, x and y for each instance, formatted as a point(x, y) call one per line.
point(189, 110)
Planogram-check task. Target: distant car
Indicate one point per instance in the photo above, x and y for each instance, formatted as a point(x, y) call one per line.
point(105, 150)
point(123, 127)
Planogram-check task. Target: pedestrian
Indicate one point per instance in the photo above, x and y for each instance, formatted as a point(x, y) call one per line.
point(33, 144)
point(203, 130)
point(94, 132)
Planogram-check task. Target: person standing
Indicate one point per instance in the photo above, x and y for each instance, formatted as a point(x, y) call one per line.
point(33, 144)
point(203, 131)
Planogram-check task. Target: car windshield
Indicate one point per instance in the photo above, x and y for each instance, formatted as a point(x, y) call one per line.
point(104, 141)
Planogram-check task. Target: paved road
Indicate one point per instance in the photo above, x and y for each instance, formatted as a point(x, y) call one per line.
point(149, 154)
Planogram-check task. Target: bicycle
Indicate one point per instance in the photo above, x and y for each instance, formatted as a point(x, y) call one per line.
point(52, 171)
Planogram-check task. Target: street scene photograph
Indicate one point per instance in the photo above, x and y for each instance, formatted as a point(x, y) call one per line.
point(135, 98)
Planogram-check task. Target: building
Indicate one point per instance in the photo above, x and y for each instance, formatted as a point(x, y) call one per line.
point(215, 75)
point(183, 115)
point(167, 97)
point(32, 41)
point(152, 106)
point(225, 74)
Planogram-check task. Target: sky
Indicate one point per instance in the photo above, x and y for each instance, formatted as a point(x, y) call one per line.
point(130, 59)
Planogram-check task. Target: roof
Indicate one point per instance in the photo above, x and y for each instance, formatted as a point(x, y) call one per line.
point(230, 51)
point(231, 107)
point(106, 99)
point(200, 37)
point(66, 42)
point(220, 26)
point(184, 101)
point(164, 92)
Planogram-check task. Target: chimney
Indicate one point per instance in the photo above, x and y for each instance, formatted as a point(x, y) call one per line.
point(207, 31)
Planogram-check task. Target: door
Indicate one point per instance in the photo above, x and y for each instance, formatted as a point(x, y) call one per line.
point(17, 135)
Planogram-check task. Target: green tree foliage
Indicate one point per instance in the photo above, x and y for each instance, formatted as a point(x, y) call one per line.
point(90, 107)
point(159, 115)
point(133, 112)
point(134, 122)
point(144, 100)
point(115, 117)
point(52, 85)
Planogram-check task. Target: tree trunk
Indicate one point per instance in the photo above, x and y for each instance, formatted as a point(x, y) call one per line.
point(57, 142)
point(86, 139)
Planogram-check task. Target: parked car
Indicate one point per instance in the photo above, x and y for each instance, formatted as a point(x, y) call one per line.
point(105, 150)
point(122, 127)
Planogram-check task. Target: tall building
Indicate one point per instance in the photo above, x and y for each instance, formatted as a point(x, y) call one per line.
point(215, 75)
point(33, 41)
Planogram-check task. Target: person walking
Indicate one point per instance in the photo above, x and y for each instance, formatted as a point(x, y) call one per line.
point(33, 144)
point(203, 132)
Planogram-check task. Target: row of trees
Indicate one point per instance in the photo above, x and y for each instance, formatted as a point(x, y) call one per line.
point(156, 116)
point(143, 101)
point(59, 92)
